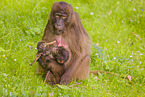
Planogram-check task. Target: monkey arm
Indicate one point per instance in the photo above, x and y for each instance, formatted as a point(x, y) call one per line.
point(42, 45)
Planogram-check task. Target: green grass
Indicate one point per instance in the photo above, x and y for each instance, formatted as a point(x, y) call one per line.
point(22, 23)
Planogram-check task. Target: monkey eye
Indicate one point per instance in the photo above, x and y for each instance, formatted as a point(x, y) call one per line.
point(63, 17)
point(56, 15)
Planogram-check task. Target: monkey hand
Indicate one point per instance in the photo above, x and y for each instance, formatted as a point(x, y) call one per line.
point(64, 80)
point(41, 47)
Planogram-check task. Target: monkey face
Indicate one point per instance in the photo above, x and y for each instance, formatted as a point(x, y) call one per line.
point(61, 14)
point(60, 55)
point(59, 24)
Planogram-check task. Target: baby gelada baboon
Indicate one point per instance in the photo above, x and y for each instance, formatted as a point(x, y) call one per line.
point(54, 61)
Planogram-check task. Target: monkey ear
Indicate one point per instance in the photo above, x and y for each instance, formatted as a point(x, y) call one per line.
point(69, 9)
point(55, 7)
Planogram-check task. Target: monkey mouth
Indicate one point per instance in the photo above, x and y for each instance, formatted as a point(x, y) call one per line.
point(58, 32)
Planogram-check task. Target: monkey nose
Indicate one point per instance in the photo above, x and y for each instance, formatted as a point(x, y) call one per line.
point(59, 32)
point(58, 24)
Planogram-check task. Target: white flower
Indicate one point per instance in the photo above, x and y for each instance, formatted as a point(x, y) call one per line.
point(138, 51)
point(77, 7)
point(91, 13)
point(118, 41)
point(132, 60)
point(134, 9)
point(36, 48)
point(114, 58)
point(10, 94)
point(96, 54)
point(140, 62)
point(141, 54)
point(15, 59)
point(130, 56)
point(131, 20)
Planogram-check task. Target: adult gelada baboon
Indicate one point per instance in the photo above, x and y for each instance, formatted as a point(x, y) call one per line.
point(64, 26)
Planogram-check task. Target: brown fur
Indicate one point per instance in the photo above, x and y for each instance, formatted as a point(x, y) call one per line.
point(77, 39)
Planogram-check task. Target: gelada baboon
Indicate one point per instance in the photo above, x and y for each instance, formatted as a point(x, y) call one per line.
point(64, 26)
point(53, 61)
point(57, 54)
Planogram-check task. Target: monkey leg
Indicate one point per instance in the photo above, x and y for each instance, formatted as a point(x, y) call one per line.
point(82, 71)
point(50, 79)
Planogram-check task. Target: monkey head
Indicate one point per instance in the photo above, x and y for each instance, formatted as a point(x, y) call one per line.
point(60, 16)
point(60, 55)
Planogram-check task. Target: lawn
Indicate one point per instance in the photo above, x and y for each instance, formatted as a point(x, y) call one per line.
point(117, 31)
